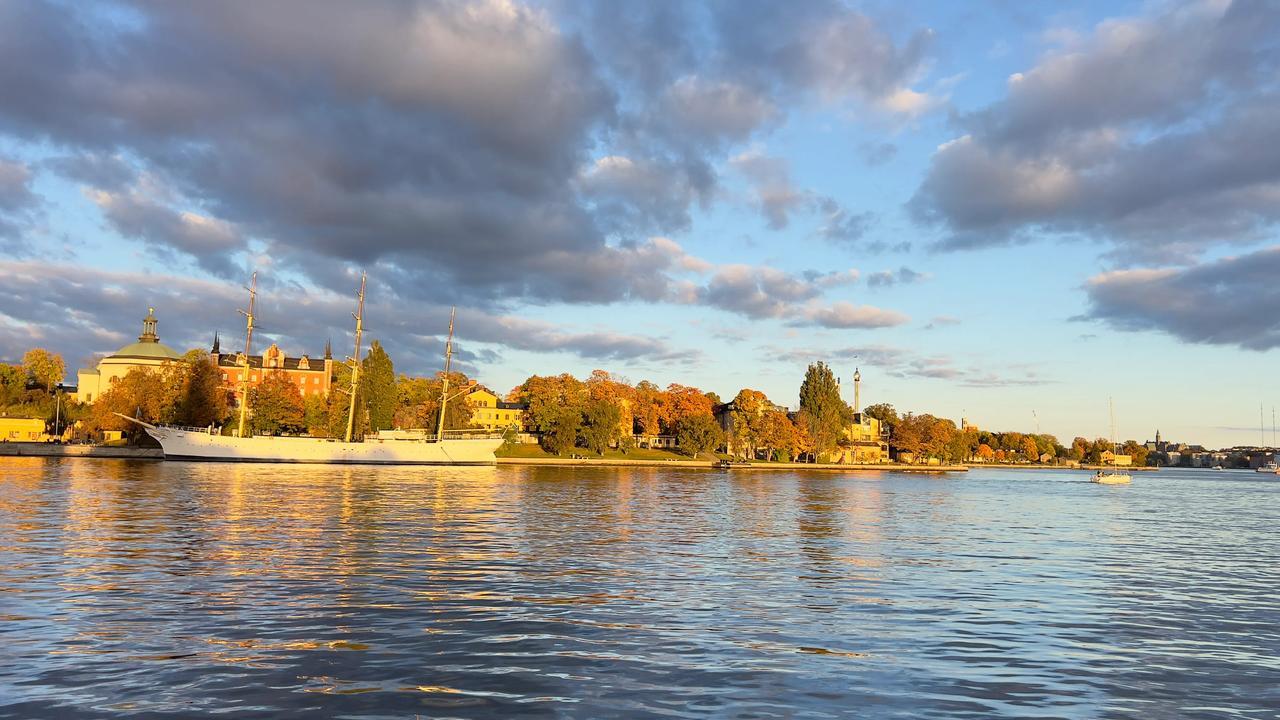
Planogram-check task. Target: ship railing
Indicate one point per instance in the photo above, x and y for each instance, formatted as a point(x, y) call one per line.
point(423, 434)
point(209, 429)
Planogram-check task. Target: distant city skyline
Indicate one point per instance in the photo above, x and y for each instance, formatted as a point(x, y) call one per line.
point(1005, 212)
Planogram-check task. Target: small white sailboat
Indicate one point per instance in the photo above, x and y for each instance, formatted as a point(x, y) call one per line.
point(1112, 476)
point(1270, 467)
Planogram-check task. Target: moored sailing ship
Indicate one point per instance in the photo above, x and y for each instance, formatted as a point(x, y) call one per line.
point(396, 447)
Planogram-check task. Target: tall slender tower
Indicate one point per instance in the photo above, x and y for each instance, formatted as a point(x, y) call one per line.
point(857, 390)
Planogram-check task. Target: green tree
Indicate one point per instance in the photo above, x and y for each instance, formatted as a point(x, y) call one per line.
point(13, 384)
point(825, 412)
point(885, 413)
point(600, 429)
point(276, 406)
point(204, 399)
point(315, 415)
point(43, 367)
point(378, 385)
point(561, 430)
point(696, 434)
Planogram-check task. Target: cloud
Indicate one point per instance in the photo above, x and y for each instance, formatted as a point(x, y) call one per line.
point(905, 363)
point(98, 311)
point(1150, 132)
point(770, 178)
point(462, 140)
point(17, 204)
point(941, 321)
point(847, 316)
point(877, 153)
point(137, 213)
point(1231, 301)
point(888, 278)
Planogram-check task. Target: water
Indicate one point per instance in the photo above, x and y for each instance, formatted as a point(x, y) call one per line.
point(146, 589)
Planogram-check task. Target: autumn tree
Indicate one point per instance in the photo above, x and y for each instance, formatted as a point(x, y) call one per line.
point(985, 453)
point(778, 435)
point(276, 406)
point(747, 421)
point(43, 367)
point(378, 383)
point(151, 395)
point(418, 402)
point(556, 406)
point(607, 388)
point(1029, 449)
point(825, 412)
point(697, 433)
point(651, 410)
point(685, 402)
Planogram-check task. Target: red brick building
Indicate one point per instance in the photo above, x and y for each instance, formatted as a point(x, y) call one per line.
point(312, 376)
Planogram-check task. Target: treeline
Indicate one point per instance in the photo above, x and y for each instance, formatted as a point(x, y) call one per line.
point(192, 392)
point(927, 436)
point(607, 411)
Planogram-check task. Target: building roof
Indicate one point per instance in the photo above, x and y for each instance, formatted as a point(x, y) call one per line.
point(289, 363)
point(150, 350)
point(148, 346)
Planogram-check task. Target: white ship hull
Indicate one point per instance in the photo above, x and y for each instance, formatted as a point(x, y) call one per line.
point(180, 444)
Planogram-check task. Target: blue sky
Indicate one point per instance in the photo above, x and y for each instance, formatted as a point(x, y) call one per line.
point(1001, 210)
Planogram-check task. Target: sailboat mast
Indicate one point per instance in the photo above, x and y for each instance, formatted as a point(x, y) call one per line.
point(444, 383)
point(248, 345)
point(355, 359)
point(1114, 450)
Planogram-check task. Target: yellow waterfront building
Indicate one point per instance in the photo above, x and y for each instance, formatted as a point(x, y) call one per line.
point(148, 352)
point(490, 412)
point(22, 429)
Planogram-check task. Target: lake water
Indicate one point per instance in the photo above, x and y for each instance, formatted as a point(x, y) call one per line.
point(137, 589)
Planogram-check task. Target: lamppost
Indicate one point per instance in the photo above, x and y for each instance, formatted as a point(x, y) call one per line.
point(57, 412)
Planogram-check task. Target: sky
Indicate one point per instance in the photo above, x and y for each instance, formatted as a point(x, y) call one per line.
point(1013, 212)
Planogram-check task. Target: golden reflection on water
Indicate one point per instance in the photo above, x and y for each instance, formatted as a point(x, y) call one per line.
point(481, 591)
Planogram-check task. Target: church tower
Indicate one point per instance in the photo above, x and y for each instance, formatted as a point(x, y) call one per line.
point(857, 390)
point(149, 328)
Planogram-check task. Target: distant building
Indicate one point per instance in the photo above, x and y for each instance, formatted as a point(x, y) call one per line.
point(1110, 458)
point(148, 352)
point(491, 413)
point(865, 441)
point(22, 429)
point(313, 377)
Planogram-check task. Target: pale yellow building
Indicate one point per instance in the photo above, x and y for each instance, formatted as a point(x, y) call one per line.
point(148, 352)
point(491, 413)
point(21, 429)
point(865, 441)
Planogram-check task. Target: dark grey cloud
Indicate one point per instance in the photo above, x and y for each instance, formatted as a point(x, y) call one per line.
point(18, 204)
point(100, 311)
point(1232, 301)
point(136, 213)
point(1150, 132)
point(97, 170)
point(455, 136)
point(888, 278)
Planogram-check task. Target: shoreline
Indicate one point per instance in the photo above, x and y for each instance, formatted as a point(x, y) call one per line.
point(997, 466)
point(710, 465)
point(9, 449)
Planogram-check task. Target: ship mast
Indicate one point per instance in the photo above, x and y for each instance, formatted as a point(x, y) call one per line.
point(355, 361)
point(248, 343)
point(444, 385)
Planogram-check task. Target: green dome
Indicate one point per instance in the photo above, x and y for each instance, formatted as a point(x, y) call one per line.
point(148, 345)
point(155, 350)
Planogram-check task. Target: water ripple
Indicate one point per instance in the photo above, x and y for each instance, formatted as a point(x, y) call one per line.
point(150, 589)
